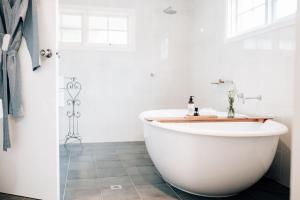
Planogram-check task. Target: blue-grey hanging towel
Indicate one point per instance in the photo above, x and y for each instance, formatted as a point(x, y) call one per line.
point(18, 19)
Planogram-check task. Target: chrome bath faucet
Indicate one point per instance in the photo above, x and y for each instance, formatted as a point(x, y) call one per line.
point(242, 97)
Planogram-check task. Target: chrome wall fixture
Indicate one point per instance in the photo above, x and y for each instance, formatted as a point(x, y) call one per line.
point(242, 98)
point(222, 81)
point(73, 88)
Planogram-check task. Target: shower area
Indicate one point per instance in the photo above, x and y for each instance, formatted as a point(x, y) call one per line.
point(127, 56)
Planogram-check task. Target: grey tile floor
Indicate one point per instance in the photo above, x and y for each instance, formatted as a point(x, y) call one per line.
point(124, 171)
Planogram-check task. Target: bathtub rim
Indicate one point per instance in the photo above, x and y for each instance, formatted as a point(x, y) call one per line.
point(217, 133)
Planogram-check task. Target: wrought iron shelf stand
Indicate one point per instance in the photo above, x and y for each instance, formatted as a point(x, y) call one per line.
point(73, 88)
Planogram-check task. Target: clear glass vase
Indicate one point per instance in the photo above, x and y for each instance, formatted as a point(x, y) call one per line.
point(231, 98)
point(230, 112)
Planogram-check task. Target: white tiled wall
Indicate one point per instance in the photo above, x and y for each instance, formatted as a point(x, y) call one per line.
point(117, 86)
point(260, 65)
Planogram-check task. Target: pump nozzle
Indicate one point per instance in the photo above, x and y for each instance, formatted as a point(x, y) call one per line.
point(191, 101)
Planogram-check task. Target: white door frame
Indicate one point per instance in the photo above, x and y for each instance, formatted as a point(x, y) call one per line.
point(295, 172)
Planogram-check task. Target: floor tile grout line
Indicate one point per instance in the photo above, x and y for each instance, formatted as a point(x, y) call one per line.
point(66, 179)
point(138, 191)
point(96, 170)
point(131, 181)
point(174, 191)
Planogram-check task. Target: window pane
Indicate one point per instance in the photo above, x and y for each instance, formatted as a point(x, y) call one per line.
point(246, 5)
point(118, 23)
point(72, 36)
point(71, 21)
point(118, 37)
point(251, 19)
point(98, 37)
point(283, 8)
point(96, 22)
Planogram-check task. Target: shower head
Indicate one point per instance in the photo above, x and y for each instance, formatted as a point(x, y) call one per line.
point(170, 11)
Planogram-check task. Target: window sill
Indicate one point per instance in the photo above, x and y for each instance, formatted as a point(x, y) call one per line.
point(279, 24)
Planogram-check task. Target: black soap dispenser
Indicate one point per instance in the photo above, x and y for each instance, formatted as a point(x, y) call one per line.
point(196, 113)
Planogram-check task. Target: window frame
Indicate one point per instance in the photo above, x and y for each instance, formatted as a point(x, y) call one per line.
point(100, 11)
point(109, 15)
point(249, 10)
point(75, 13)
point(270, 23)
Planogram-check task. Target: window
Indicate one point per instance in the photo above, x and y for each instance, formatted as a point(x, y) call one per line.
point(283, 8)
point(71, 28)
point(103, 29)
point(246, 15)
point(250, 14)
point(108, 30)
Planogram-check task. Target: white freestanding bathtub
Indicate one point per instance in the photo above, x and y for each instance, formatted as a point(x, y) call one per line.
point(211, 159)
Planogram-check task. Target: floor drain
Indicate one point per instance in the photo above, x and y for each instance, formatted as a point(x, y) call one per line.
point(116, 187)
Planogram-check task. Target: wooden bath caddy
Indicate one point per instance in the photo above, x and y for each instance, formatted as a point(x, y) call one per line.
point(210, 118)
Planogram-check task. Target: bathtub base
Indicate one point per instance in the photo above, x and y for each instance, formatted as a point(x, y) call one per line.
point(203, 195)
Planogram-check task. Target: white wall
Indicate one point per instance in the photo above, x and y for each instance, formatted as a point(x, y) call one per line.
point(261, 65)
point(117, 86)
point(30, 167)
point(295, 174)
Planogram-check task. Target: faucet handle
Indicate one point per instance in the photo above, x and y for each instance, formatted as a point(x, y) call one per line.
point(241, 97)
point(259, 97)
